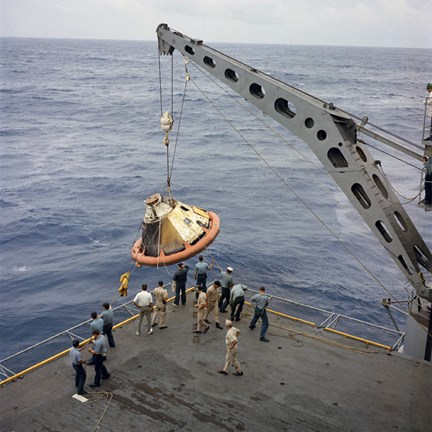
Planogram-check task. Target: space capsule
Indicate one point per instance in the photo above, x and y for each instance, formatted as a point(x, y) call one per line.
point(173, 232)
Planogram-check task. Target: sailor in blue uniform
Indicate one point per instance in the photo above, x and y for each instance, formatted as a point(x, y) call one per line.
point(99, 351)
point(77, 363)
point(180, 279)
point(107, 317)
point(200, 274)
point(260, 301)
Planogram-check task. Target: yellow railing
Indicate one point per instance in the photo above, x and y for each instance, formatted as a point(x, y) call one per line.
point(134, 317)
point(66, 351)
point(366, 341)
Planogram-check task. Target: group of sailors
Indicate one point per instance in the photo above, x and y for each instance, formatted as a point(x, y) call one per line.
point(101, 329)
point(214, 300)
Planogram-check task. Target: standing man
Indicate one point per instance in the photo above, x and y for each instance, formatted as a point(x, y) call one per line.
point(161, 296)
point(77, 363)
point(260, 301)
point(201, 269)
point(237, 299)
point(144, 302)
point(99, 351)
point(226, 282)
point(202, 326)
point(231, 341)
point(96, 323)
point(428, 179)
point(107, 317)
point(180, 279)
point(212, 303)
point(428, 108)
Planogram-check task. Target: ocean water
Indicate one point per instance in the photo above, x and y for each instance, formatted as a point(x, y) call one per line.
point(81, 148)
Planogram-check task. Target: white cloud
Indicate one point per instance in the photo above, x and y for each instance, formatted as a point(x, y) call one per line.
point(330, 22)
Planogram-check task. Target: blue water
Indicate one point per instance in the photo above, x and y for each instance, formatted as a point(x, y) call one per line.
point(81, 148)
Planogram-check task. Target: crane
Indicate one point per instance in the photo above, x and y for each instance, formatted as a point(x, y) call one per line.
point(334, 136)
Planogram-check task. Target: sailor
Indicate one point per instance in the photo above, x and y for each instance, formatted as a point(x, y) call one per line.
point(226, 282)
point(161, 296)
point(231, 341)
point(201, 269)
point(95, 324)
point(428, 103)
point(237, 299)
point(202, 326)
point(212, 303)
point(179, 281)
point(428, 180)
point(77, 363)
point(260, 301)
point(99, 352)
point(107, 317)
point(144, 302)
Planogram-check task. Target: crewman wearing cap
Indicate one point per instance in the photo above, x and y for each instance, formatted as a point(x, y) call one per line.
point(231, 341)
point(226, 281)
point(428, 103)
point(427, 161)
point(77, 363)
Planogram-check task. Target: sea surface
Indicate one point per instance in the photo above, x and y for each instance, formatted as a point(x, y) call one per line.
point(81, 148)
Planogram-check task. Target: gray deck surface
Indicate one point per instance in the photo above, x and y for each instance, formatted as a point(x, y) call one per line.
point(169, 382)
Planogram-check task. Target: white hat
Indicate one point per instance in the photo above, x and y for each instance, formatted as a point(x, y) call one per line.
point(228, 323)
point(230, 269)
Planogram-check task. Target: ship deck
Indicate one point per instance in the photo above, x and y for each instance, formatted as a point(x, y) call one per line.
point(304, 379)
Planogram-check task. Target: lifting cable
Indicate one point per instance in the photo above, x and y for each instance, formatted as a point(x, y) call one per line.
point(285, 183)
point(187, 79)
point(407, 199)
point(166, 117)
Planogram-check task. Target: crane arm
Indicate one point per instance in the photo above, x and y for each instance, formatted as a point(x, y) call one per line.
point(332, 135)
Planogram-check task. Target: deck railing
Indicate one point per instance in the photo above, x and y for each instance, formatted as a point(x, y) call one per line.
point(19, 364)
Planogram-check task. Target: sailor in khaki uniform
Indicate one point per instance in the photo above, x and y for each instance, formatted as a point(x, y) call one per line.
point(202, 326)
point(212, 303)
point(161, 296)
point(232, 347)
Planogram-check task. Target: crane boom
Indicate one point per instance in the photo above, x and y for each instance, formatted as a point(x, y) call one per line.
point(332, 135)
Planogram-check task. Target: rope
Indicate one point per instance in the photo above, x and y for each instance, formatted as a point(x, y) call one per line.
point(417, 146)
point(319, 339)
point(407, 199)
point(97, 396)
point(172, 84)
point(159, 240)
point(179, 123)
point(389, 154)
point(160, 82)
point(167, 163)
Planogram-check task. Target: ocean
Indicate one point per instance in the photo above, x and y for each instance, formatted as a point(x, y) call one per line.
point(81, 148)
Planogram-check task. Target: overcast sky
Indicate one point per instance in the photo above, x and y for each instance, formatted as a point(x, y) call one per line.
point(388, 23)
